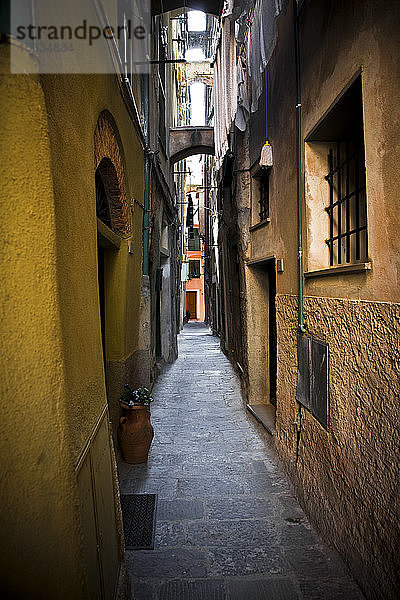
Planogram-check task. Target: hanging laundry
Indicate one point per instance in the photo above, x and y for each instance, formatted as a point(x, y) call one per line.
point(267, 31)
point(228, 8)
point(225, 88)
point(241, 16)
point(262, 42)
point(255, 56)
point(243, 109)
point(234, 98)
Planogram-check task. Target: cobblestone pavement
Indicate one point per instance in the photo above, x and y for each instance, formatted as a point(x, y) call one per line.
point(228, 526)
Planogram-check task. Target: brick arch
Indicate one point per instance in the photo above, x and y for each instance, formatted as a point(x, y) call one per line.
point(109, 163)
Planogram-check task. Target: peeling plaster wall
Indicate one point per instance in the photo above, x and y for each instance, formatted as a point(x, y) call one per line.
point(348, 478)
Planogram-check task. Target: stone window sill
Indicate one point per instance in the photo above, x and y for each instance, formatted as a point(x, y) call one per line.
point(108, 237)
point(259, 225)
point(339, 270)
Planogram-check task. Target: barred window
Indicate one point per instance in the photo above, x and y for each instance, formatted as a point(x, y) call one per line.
point(263, 200)
point(260, 196)
point(194, 244)
point(335, 190)
point(194, 269)
point(347, 241)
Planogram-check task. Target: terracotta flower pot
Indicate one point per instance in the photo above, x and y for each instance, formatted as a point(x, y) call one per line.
point(135, 433)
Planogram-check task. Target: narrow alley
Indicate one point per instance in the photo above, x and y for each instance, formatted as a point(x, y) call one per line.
point(200, 300)
point(227, 524)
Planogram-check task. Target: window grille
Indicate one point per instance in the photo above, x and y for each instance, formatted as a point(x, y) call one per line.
point(102, 206)
point(194, 243)
point(194, 269)
point(264, 197)
point(347, 240)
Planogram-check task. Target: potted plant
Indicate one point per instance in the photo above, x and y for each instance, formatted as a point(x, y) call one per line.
point(135, 431)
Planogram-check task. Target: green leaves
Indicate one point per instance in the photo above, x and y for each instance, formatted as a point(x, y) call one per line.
point(140, 396)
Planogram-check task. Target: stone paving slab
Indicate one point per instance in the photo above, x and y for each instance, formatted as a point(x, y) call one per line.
point(240, 534)
point(268, 560)
point(228, 526)
point(180, 510)
point(261, 589)
point(170, 535)
point(200, 487)
point(164, 487)
point(239, 508)
point(196, 590)
point(175, 563)
point(333, 589)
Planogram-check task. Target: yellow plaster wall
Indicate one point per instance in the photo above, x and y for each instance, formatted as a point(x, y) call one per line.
point(40, 540)
point(74, 103)
point(52, 378)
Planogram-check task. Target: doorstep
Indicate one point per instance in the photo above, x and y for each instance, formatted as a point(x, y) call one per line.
point(265, 414)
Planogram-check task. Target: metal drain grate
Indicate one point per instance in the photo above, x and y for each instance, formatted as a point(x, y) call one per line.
point(139, 516)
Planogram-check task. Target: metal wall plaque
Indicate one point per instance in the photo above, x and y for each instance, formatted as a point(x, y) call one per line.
point(303, 370)
point(319, 382)
point(312, 390)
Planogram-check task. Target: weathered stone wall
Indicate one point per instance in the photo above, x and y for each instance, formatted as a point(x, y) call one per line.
point(348, 478)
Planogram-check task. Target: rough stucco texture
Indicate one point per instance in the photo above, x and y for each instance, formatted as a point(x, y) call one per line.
point(40, 538)
point(348, 478)
point(74, 155)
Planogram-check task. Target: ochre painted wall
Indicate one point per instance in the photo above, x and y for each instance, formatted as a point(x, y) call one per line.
point(52, 366)
point(72, 123)
point(337, 42)
point(40, 535)
point(197, 285)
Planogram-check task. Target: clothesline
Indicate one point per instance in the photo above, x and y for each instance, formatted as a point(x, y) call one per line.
point(239, 78)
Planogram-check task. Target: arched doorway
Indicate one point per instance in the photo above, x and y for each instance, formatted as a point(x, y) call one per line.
point(113, 226)
point(104, 215)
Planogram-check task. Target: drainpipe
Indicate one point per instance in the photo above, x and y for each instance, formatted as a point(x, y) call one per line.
point(299, 169)
point(146, 212)
point(146, 215)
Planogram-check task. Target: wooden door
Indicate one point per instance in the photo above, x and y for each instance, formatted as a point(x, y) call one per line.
point(191, 304)
point(101, 539)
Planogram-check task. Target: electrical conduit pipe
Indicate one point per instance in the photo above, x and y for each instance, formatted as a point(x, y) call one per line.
point(299, 169)
point(146, 202)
